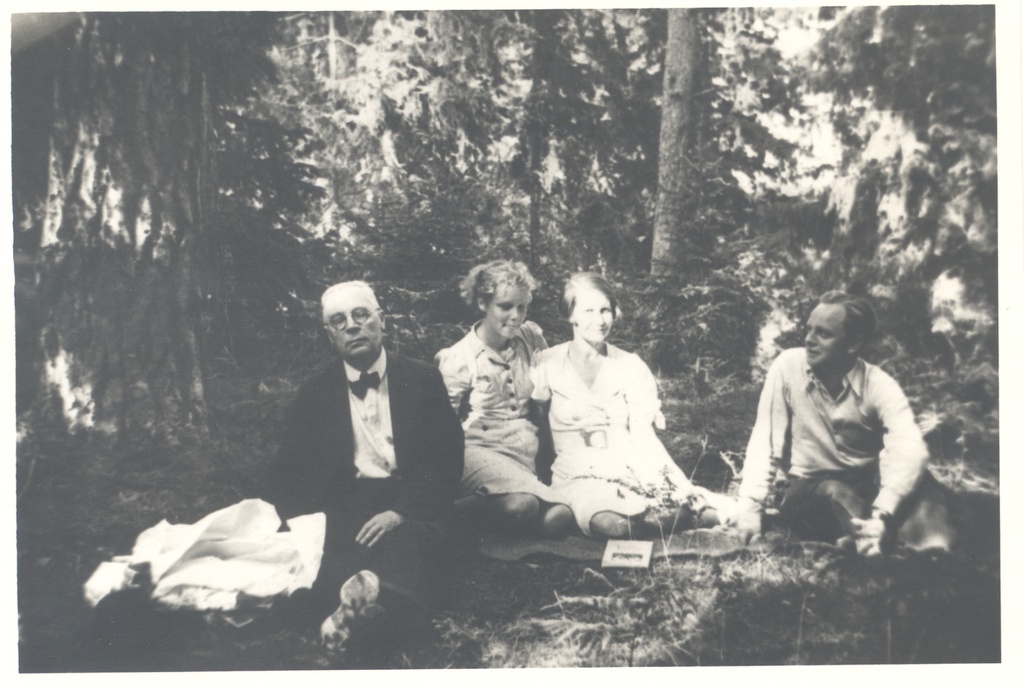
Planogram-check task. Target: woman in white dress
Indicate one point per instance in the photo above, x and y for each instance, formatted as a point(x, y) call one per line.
point(487, 374)
point(602, 404)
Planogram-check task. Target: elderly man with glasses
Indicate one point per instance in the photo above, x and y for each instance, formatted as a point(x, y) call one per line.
point(373, 443)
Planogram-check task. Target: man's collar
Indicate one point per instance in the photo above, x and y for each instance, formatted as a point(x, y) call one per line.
point(379, 367)
point(854, 378)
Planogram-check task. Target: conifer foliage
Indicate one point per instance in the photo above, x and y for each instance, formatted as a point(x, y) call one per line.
point(206, 175)
point(915, 201)
point(146, 203)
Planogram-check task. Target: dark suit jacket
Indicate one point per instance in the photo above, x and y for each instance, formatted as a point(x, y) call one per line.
point(314, 470)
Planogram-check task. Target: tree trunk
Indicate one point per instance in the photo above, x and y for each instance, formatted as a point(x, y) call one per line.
point(332, 51)
point(676, 162)
point(535, 189)
point(537, 115)
point(128, 184)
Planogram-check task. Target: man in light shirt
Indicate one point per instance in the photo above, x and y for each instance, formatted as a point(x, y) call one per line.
point(373, 443)
point(843, 431)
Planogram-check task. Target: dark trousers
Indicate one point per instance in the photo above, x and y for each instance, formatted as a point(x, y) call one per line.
point(410, 561)
point(821, 509)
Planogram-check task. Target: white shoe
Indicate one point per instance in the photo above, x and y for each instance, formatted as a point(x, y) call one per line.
point(358, 605)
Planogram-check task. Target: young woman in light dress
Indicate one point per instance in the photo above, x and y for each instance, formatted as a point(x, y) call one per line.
point(602, 403)
point(487, 374)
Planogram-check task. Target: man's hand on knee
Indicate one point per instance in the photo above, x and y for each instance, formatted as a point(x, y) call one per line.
point(379, 526)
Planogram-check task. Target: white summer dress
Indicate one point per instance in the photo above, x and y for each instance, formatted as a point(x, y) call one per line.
point(600, 464)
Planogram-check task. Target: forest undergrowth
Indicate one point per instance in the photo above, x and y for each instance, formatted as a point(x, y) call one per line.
point(790, 603)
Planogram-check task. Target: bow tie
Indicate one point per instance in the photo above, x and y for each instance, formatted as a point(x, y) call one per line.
point(366, 381)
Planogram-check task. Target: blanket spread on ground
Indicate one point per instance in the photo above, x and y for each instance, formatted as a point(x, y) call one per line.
point(698, 542)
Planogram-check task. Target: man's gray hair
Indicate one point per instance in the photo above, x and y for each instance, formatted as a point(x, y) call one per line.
point(358, 285)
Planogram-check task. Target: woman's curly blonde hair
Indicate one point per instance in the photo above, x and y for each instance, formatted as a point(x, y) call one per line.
point(483, 281)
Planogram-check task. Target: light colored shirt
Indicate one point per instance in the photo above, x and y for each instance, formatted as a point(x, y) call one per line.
point(624, 394)
point(371, 424)
point(605, 429)
point(802, 428)
point(486, 385)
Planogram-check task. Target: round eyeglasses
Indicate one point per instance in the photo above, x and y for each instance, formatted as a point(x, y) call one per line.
point(360, 315)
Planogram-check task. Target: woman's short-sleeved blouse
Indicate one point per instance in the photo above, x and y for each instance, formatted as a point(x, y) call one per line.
point(485, 384)
point(624, 394)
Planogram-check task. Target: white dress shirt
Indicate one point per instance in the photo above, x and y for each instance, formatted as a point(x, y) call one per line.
point(371, 424)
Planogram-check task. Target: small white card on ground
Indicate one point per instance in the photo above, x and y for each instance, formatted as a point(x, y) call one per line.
point(627, 554)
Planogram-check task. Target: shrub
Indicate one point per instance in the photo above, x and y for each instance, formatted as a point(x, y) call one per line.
point(708, 328)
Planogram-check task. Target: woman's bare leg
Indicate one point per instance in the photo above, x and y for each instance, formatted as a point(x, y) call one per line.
point(611, 525)
point(514, 512)
point(556, 520)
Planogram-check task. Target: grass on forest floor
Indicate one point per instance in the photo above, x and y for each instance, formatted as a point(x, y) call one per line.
point(796, 604)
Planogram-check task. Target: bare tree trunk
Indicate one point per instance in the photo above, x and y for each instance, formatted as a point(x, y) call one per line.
point(129, 183)
point(332, 50)
point(535, 189)
point(679, 123)
point(535, 142)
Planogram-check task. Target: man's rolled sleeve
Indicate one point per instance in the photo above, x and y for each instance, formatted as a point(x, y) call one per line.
point(766, 447)
point(904, 454)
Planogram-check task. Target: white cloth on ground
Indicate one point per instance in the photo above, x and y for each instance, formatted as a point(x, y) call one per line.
point(207, 565)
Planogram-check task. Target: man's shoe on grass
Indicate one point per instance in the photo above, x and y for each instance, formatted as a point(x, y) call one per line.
point(359, 607)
